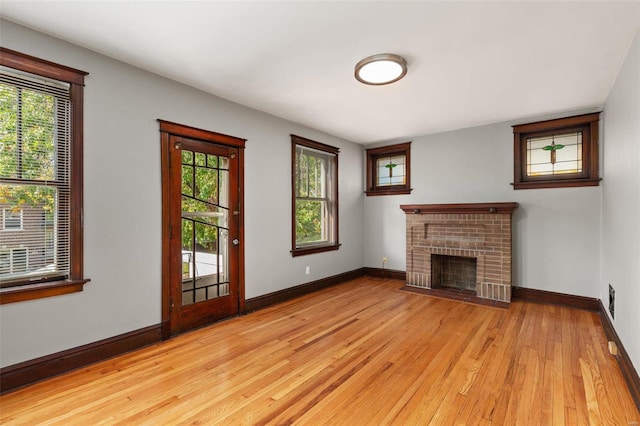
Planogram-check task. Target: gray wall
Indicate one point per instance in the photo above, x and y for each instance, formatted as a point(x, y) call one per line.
point(621, 202)
point(558, 232)
point(556, 238)
point(123, 202)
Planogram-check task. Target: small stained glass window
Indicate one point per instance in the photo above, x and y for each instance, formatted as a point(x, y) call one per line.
point(556, 153)
point(391, 170)
point(388, 170)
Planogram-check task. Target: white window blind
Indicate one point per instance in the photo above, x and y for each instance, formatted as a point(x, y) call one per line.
point(35, 137)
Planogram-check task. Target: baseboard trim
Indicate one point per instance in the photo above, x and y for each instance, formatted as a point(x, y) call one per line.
point(266, 300)
point(385, 273)
point(624, 362)
point(553, 298)
point(28, 372)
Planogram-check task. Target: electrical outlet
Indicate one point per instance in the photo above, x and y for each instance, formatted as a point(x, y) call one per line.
point(307, 270)
point(612, 301)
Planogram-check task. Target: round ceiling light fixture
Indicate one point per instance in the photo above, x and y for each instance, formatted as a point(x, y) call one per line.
point(384, 68)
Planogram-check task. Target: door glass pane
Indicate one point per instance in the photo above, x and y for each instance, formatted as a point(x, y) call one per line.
point(224, 262)
point(205, 218)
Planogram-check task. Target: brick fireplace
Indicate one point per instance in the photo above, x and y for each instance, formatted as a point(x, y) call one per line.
point(465, 246)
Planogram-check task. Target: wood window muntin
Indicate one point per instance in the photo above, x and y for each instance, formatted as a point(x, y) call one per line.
point(586, 124)
point(326, 197)
point(28, 287)
point(376, 156)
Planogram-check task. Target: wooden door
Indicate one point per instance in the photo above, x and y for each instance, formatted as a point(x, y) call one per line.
point(202, 224)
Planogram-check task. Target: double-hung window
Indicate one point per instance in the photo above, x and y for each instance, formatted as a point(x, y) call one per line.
point(315, 196)
point(40, 177)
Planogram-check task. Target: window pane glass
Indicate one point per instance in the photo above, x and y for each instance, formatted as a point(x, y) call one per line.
point(204, 230)
point(539, 156)
point(212, 161)
point(187, 180)
point(554, 154)
point(391, 170)
point(187, 157)
point(398, 160)
point(540, 169)
point(38, 146)
point(309, 218)
point(566, 167)
point(223, 259)
point(385, 181)
point(8, 131)
point(207, 185)
point(37, 243)
point(201, 159)
point(223, 196)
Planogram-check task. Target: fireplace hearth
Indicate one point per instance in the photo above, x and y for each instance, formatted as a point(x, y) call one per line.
point(464, 246)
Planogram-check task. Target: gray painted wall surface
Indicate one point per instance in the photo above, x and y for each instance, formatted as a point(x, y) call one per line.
point(621, 202)
point(123, 202)
point(556, 238)
point(557, 234)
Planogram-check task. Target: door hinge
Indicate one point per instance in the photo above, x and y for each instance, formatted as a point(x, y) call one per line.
point(170, 304)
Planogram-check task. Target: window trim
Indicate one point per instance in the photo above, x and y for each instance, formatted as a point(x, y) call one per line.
point(373, 154)
point(588, 124)
point(53, 286)
point(4, 221)
point(316, 248)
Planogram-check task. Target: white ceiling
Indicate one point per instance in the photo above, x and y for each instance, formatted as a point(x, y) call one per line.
point(470, 63)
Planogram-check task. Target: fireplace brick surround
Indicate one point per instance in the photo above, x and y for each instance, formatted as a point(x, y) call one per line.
point(477, 230)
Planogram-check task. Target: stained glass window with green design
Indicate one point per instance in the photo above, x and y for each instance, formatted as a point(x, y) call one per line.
point(388, 170)
point(554, 154)
point(557, 153)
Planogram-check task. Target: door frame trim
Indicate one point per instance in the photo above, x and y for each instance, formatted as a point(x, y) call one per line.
point(168, 129)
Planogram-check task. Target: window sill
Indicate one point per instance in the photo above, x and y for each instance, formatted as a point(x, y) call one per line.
point(567, 183)
point(40, 290)
point(400, 191)
point(311, 250)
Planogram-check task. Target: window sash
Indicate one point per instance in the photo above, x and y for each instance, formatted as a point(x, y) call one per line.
point(313, 177)
point(35, 174)
point(314, 196)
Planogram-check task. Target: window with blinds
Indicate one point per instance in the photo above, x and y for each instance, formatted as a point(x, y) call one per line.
point(35, 189)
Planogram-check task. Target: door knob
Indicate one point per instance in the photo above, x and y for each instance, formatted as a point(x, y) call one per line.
point(235, 241)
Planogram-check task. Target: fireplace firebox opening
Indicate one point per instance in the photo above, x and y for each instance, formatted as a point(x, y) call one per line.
point(454, 272)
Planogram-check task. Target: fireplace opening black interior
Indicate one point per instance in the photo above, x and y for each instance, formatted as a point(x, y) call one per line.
point(453, 272)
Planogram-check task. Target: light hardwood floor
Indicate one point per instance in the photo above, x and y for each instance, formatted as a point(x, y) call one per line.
point(361, 353)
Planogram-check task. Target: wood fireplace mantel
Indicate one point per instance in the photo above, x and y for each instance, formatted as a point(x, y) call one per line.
point(459, 208)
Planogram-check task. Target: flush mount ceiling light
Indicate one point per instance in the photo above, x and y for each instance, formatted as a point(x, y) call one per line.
point(380, 69)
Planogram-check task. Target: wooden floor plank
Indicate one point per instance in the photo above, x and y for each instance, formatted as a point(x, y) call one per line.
point(361, 353)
